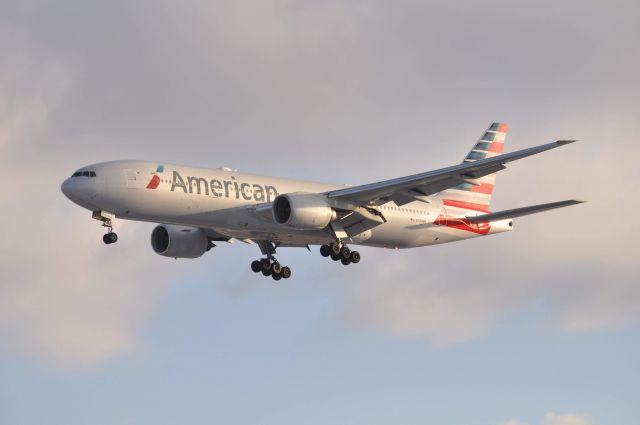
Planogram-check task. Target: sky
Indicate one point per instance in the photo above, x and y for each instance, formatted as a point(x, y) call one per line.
point(540, 326)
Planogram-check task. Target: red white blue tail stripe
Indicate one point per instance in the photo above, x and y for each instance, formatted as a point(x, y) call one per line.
point(476, 195)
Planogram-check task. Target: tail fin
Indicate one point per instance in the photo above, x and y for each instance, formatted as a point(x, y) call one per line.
point(476, 194)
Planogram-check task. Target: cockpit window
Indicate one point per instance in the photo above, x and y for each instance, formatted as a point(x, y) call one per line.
point(84, 174)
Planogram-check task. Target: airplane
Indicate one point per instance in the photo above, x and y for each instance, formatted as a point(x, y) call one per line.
point(198, 207)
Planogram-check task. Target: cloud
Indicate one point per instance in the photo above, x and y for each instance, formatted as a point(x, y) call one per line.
point(363, 91)
point(444, 306)
point(65, 299)
point(579, 269)
point(558, 419)
point(565, 419)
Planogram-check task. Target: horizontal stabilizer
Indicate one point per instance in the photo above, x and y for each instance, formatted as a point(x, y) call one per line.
point(518, 212)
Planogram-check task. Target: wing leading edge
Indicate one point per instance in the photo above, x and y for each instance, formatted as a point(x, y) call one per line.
point(420, 186)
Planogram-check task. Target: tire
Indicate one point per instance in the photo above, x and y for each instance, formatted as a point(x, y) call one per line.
point(286, 272)
point(265, 266)
point(106, 239)
point(335, 249)
point(345, 261)
point(276, 268)
point(325, 251)
point(335, 257)
point(345, 252)
point(276, 276)
point(256, 266)
point(113, 237)
point(355, 257)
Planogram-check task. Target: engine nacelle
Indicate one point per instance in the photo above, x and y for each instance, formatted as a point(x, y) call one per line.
point(179, 241)
point(304, 211)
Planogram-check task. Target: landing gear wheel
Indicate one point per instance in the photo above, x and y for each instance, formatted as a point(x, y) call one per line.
point(286, 272)
point(335, 249)
point(345, 252)
point(276, 276)
point(325, 251)
point(256, 266)
point(355, 257)
point(345, 261)
point(106, 239)
point(276, 268)
point(335, 257)
point(265, 266)
point(110, 238)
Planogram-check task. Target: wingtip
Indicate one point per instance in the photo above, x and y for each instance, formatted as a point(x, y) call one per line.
point(565, 142)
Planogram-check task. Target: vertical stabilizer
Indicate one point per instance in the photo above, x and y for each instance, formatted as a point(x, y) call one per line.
point(476, 194)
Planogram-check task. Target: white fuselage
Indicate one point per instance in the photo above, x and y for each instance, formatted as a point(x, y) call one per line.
point(225, 201)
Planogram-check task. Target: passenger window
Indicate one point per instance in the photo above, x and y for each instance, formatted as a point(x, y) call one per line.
point(92, 173)
point(77, 174)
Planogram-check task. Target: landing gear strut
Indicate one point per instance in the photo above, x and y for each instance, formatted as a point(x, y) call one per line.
point(270, 266)
point(107, 221)
point(340, 252)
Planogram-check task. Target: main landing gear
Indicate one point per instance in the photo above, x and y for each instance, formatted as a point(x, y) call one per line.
point(270, 266)
point(340, 252)
point(107, 221)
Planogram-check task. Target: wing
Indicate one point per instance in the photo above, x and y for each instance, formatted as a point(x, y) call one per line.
point(419, 186)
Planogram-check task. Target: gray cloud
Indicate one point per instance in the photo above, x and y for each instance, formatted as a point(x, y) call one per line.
point(344, 92)
point(559, 419)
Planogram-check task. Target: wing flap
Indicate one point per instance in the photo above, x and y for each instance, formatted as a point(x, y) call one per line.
point(519, 212)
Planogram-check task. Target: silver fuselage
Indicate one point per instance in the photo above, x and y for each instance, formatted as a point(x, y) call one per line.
point(225, 201)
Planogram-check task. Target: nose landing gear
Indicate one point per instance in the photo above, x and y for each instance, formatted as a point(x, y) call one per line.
point(107, 221)
point(110, 238)
point(340, 252)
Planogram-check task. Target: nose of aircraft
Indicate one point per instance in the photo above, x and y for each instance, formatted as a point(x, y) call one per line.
point(67, 188)
point(85, 188)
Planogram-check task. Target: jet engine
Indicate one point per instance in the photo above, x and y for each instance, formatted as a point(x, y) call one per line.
point(179, 241)
point(304, 211)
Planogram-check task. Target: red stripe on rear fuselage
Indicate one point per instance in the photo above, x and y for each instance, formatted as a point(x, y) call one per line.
point(462, 224)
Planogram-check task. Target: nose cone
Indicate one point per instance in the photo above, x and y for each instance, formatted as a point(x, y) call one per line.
point(83, 188)
point(68, 189)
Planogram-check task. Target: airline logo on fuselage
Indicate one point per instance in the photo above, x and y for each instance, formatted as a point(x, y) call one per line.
point(218, 188)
